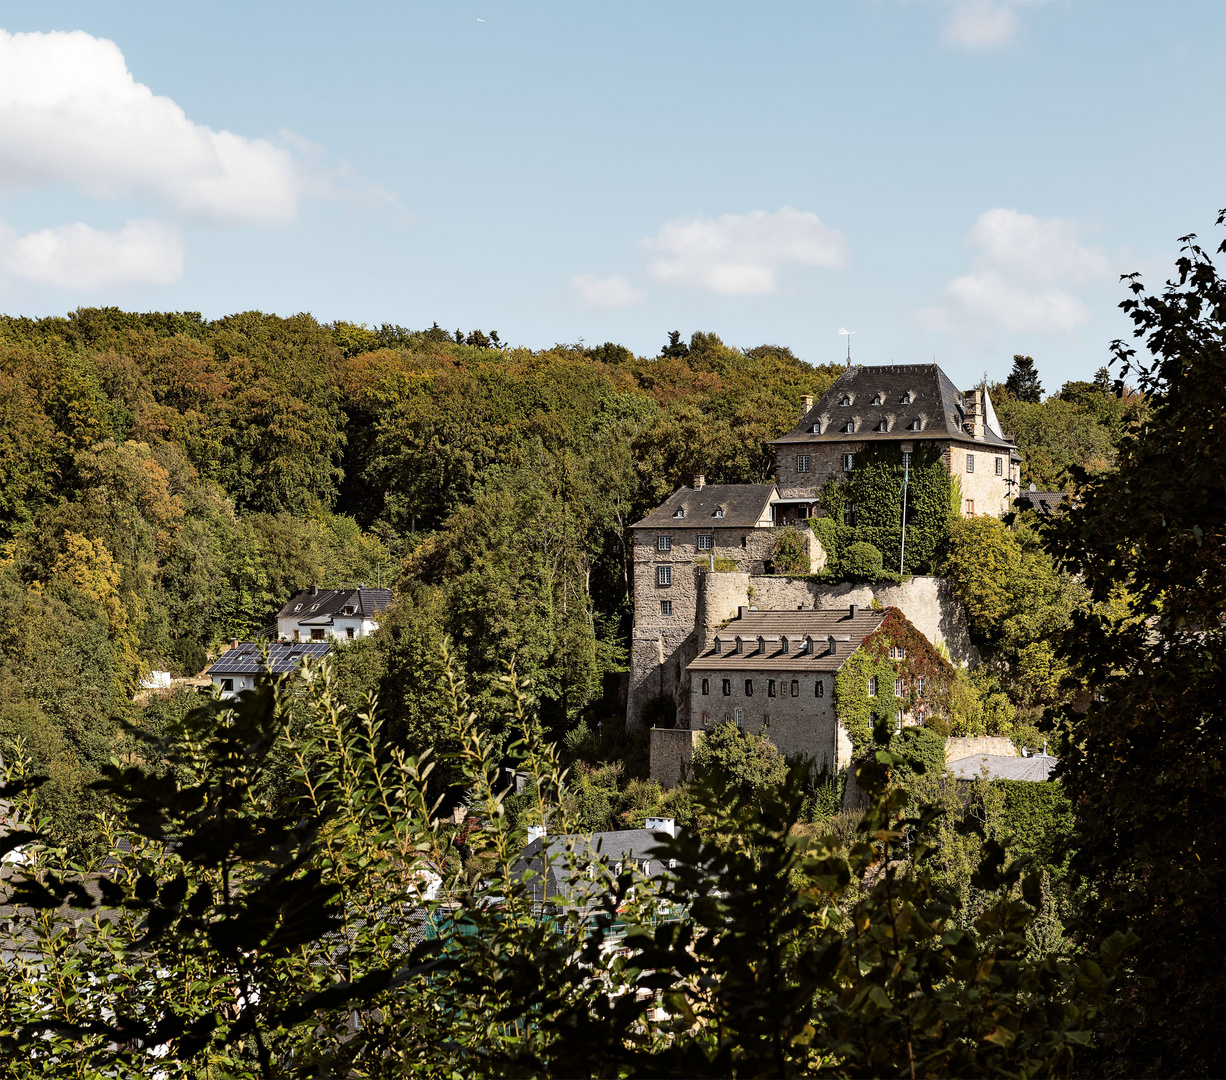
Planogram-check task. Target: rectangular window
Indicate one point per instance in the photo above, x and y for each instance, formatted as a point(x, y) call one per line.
point(706, 719)
point(705, 543)
point(1000, 466)
point(872, 686)
point(819, 689)
point(317, 633)
point(795, 688)
point(849, 462)
point(227, 686)
point(664, 575)
point(802, 463)
point(770, 688)
point(706, 686)
point(664, 543)
point(849, 513)
point(898, 687)
point(666, 607)
point(348, 631)
point(906, 459)
point(970, 462)
point(970, 507)
point(727, 688)
point(740, 717)
point(749, 687)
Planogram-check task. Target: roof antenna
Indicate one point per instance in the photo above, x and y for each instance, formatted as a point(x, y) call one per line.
point(848, 334)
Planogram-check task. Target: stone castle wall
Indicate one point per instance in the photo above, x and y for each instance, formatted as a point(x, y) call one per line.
point(672, 750)
point(996, 745)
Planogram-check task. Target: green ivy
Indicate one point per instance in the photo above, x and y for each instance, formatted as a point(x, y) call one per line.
point(1040, 817)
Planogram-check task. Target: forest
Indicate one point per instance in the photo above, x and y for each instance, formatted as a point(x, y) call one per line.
point(167, 482)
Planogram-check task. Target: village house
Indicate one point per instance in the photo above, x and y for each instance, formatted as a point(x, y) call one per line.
point(244, 665)
point(317, 614)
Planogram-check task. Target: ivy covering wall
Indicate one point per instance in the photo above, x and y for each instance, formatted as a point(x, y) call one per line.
point(856, 708)
point(874, 490)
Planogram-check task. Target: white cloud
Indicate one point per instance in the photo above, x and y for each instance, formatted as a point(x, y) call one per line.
point(1024, 269)
point(609, 292)
point(79, 257)
point(71, 113)
point(742, 254)
point(980, 24)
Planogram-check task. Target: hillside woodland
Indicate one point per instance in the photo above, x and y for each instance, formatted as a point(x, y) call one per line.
point(167, 481)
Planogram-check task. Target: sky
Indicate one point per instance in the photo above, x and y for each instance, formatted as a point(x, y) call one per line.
point(949, 181)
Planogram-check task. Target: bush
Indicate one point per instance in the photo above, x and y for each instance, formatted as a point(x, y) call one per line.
point(1040, 818)
point(922, 751)
point(790, 554)
point(862, 561)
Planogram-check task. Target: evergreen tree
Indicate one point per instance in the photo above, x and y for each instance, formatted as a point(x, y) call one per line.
point(1023, 381)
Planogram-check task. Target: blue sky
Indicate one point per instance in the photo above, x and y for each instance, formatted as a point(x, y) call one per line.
point(953, 180)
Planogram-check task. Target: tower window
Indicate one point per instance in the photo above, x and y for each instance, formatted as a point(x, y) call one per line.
point(802, 463)
point(970, 462)
point(819, 689)
point(664, 543)
point(664, 575)
point(706, 686)
point(705, 543)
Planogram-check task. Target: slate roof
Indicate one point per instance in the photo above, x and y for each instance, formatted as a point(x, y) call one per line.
point(744, 506)
point(248, 658)
point(1045, 502)
point(848, 633)
point(320, 608)
point(934, 400)
point(568, 877)
point(1037, 768)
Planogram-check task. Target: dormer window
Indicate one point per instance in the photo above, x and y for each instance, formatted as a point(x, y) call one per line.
point(906, 398)
point(719, 512)
point(737, 648)
point(719, 646)
point(783, 646)
point(761, 644)
point(915, 425)
point(817, 429)
point(806, 646)
point(830, 646)
point(846, 400)
point(876, 399)
point(348, 610)
point(850, 427)
point(680, 512)
point(882, 426)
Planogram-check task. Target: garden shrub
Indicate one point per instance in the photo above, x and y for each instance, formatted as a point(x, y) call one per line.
point(1040, 818)
point(922, 751)
point(790, 554)
point(863, 562)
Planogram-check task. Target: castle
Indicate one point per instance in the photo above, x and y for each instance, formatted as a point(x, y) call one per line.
point(702, 557)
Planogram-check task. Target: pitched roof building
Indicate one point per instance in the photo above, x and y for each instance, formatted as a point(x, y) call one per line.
point(243, 665)
point(317, 614)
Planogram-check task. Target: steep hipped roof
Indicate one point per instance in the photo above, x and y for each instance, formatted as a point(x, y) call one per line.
point(743, 505)
point(248, 658)
point(933, 400)
point(773, 626)
point(999, 767)
point(322, 606)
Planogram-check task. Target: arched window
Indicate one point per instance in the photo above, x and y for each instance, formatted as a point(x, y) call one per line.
point(906, 398)
point(846, 400)
point(876, 399)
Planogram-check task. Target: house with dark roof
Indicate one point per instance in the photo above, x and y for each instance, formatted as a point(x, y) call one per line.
point(902, 406)
point(317, 614)
point(774, 672)
point(242, 666)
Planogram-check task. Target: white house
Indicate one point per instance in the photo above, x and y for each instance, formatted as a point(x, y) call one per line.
point(317, 614)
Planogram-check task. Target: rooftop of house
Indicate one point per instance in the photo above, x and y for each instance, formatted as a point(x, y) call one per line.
point(1045, 502)
point(884, 402)
point(791, 641)
point(570, 855)
point(320, 607)
point(247, 658)
point(712, 506)
point(999, 767)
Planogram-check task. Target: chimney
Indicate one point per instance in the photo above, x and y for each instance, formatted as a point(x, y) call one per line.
point(234, 643)
point(806, 403)
point(975, 412)
point(314, 590)
point(851, 611)
point(740, 612)
point(700, 482)
point(661, 824)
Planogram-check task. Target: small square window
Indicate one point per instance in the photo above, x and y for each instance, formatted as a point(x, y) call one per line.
point(664, 575)
point(817, 429)
point(666, 607)
point(849, 462)
point(664, 543)
point(749, 687)
point(970, 462)
point(802, 463)
point(719, 512)
point(727, 688)
point(795, 688)
point(705, 543)
point(1000, 466)
point(706, 686)
point(770, 688)
point(819, 689)
point(227, 686)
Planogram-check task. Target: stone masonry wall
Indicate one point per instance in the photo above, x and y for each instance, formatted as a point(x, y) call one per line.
point(672, 750)
point(998, 746)
point(989, 493)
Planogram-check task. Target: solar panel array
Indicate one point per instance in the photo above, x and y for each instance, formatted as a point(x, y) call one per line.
point(249, 659)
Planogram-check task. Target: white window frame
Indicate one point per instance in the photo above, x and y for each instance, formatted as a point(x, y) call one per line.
point(666, 607)
point(849, 462)
point(906, 459)
point(970, 463)
point(1000, 466)
point(802, 463)
point(664, 575)
point(664, 543)
point(706, 543)
point(872, 686)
